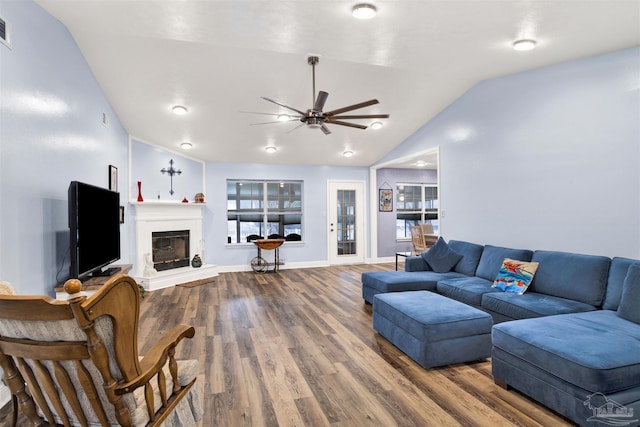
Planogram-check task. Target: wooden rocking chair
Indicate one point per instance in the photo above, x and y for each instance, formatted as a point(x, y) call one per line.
point(76, 362)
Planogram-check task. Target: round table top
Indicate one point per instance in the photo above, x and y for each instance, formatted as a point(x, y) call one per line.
point(268, 243)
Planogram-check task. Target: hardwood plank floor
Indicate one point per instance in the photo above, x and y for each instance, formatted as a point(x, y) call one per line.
point(297, 348)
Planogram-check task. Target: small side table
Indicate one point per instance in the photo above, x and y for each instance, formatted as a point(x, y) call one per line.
point(259, 264)
point(401, 254)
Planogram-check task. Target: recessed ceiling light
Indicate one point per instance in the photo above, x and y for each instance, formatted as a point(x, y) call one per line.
point(284, 117)
point(347, 153)
point(524, 45)
point(179, 110)
point(270, 149)
point(376, 125)
point(421, 163)
point(364, 11)
point(186, 146)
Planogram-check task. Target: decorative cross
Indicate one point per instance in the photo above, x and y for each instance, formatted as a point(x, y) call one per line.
point(171, 171)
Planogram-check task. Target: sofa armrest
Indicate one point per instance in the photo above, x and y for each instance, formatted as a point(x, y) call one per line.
point(416, 263)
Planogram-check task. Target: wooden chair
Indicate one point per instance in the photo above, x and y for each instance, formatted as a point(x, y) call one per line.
point(79, 361)
point(417, 239)
point(430, 238)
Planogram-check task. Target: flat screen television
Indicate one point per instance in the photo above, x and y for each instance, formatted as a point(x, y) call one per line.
point(94, 228)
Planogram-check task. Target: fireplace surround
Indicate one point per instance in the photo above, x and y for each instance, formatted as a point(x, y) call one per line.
point(162, 218)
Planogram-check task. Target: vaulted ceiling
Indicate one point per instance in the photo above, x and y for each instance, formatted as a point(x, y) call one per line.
point(218, 58)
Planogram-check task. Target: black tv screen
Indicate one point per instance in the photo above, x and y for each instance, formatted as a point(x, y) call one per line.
point(94, 223)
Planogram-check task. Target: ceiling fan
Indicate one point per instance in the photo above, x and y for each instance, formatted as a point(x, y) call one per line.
point(314, 117)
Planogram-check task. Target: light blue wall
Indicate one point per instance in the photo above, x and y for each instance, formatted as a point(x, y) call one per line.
point(51, 133)
point(389, 178)
point(544, 159)
point(148, 160)
point(314, 247)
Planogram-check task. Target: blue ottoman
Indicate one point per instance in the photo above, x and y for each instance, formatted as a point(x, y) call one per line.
point(431, 329)
point(380, 282)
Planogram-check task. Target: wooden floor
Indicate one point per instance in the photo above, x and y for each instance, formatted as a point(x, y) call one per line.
point(296, 348)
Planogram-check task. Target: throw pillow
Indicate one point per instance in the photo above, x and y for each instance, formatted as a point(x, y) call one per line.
point(441, 258)
point(515, 276)
point(630, 301)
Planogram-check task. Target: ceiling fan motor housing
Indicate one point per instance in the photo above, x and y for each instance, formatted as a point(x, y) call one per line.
point(315, 118)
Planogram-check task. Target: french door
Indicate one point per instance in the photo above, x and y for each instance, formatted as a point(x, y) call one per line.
point(346, 222)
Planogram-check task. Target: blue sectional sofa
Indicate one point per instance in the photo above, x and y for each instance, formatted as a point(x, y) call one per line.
point(571, 341)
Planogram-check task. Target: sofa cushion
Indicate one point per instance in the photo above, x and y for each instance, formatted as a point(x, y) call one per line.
point(441, 258)
point(470, 252)
point(597, 351)
point(416, 263)
point(531, 304)
point(630, 302)
point(617, 274)
point(468, 290)
point(515, 276)
point(376, 282)
point(573, 276)
point(444, 318)
point(493, 256)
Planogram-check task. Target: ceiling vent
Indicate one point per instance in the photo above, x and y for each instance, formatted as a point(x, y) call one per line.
point(4, 32)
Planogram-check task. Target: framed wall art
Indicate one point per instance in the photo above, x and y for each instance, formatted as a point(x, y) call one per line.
point(113, 178)
point(385, 200)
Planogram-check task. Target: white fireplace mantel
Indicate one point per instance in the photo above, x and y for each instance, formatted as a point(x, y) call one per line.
point(169, 216)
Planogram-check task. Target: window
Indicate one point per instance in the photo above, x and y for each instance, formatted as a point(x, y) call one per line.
point(415, 204)
point(263, 209)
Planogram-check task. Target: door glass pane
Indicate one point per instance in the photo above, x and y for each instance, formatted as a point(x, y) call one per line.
point(346, 226)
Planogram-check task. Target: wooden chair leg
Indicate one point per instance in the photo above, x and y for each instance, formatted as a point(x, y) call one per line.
point(14, 407)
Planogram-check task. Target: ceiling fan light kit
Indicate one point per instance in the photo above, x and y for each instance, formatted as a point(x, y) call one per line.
point(364, 11)
point(315, 118)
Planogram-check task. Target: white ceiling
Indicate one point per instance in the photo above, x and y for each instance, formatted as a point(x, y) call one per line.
point(219, 57)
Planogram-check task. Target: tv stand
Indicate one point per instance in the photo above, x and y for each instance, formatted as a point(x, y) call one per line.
point(106, 272)
point(92, 284)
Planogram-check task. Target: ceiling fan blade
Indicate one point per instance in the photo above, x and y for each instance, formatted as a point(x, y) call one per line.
point(282, 105)
point(320, 100)
point(300, 125)
point(362, 116)
point(325, 129)
point(352, 107)
point(352, 125)
point(256, 112)
point(277, 121)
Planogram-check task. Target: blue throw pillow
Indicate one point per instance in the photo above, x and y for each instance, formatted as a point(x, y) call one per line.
point(441, 258)
point(630, 301)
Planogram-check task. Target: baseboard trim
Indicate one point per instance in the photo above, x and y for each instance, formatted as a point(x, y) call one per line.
point(285, 266)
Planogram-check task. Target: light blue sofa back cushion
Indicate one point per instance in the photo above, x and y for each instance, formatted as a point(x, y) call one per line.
point(470, 252)
point(493, 256)
point(617, 274)
point(630, 300)
point(569, 275)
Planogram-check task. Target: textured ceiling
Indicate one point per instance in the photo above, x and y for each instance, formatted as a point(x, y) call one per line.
point(219, 57)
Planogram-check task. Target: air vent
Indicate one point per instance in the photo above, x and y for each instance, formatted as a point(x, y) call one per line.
point(4, 32)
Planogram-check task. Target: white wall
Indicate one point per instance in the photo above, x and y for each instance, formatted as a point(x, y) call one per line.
point(544, 159)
